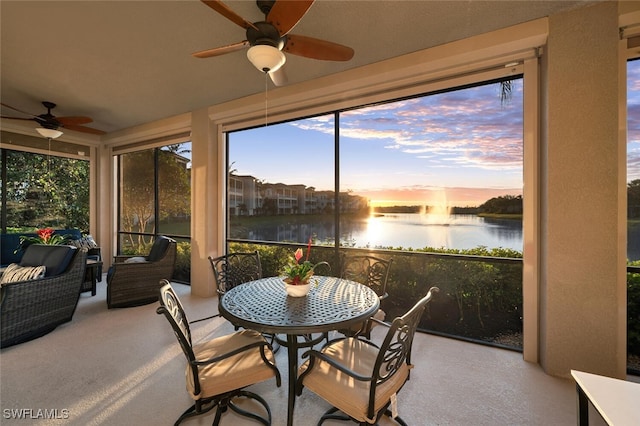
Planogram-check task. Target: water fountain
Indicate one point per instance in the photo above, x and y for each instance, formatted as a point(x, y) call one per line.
point(439, 213)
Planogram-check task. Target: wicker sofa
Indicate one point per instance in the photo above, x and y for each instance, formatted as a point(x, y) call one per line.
point(10, 243)
point(135, 280)
point(34, 307)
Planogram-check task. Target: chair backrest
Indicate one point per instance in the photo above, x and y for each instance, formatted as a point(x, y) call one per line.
point(56, 258)
point(396, 347)
point(159, 248)
point(368, 270)
point(234, 269)
point(171, 308)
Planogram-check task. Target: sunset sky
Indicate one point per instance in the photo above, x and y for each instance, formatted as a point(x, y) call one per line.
point(458, 149)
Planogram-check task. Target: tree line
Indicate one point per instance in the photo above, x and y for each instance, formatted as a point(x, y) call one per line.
point(505, 204)
point(633, 199)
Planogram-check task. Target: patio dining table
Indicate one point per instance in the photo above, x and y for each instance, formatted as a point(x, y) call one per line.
point(332, 304)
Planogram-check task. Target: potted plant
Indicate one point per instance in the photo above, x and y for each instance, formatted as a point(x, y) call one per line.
point(43, 236)
point(298, 276)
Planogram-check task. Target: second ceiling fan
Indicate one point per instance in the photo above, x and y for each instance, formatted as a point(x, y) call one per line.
point(269, 38)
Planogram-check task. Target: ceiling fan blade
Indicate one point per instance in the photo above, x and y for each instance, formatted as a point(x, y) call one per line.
point(279, 77)
point(18, 118)
point(226, 11)
point(17, 110)
point(217, 51)
point(83, 129)
point(285, 14)
point(73, 120)
point(317, 49)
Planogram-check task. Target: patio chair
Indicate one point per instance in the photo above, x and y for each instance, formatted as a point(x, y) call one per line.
point(373, 272)
point(233, 269)
point(218, 370)
point(359, 379)
point(133, 280)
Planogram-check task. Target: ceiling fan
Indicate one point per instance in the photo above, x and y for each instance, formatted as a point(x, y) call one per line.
point(49, 124)
point(269, 38)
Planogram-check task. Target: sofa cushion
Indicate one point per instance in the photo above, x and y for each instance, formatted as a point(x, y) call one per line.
point(158, 249)
point(55, 258)
point(85, 242)
point(135, 259)
point(10, 248)
point(14, 273)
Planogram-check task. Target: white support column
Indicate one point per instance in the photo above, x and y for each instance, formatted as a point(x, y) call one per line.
point(582, 289)
point(204, 202)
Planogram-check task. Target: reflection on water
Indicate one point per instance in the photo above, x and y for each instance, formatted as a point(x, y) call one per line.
point(633, 241)
point(441, 231)
point(405, 230)
point(414, 230)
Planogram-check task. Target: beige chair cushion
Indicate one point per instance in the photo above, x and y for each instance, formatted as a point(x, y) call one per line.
point(236, 372)
point(344, 392)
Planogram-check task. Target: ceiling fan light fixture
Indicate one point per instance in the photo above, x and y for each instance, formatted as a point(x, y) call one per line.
point(48, 133)
point(266, 58)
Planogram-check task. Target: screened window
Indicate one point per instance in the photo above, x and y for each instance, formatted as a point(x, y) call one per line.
point(438, 170)
point(633, 215)
point(633, 159)
point(155, 199)
point(44, 190)
point(283, 174)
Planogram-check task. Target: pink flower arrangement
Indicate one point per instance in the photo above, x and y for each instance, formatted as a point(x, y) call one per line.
point(297, 273)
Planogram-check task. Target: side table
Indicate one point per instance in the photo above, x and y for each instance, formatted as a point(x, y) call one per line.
point(91, 276)
point(615, 400)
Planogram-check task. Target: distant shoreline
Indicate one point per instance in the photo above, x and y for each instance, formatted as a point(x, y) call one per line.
point(380, 211)
point(501, 216)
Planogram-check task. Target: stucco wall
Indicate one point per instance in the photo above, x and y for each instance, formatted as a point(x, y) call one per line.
point(580, 294)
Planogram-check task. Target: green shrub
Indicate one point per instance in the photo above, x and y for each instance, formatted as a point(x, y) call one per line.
point(633, 311)
point(182, 270)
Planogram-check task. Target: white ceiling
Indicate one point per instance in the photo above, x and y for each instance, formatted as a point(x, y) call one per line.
point(126, 63)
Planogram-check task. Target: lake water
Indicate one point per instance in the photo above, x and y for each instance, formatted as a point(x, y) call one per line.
point(406, 230)
point(417, 231)
point(439, 231)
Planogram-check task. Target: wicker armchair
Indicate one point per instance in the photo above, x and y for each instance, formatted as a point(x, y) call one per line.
point(134, 280)
point(33, 308)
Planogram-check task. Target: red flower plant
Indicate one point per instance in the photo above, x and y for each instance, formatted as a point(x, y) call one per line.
point(297, 273)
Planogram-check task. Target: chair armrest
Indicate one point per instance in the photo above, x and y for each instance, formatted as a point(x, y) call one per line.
point(121, 258)
point(316, 354)
point(236, 351)
point(380, 322)
point(95, 251)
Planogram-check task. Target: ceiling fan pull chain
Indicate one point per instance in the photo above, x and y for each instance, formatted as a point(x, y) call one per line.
point(266, 109)
point(49, 165)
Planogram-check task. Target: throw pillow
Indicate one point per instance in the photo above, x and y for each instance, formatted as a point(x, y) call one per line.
point(15, 273)
point(84, 242)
